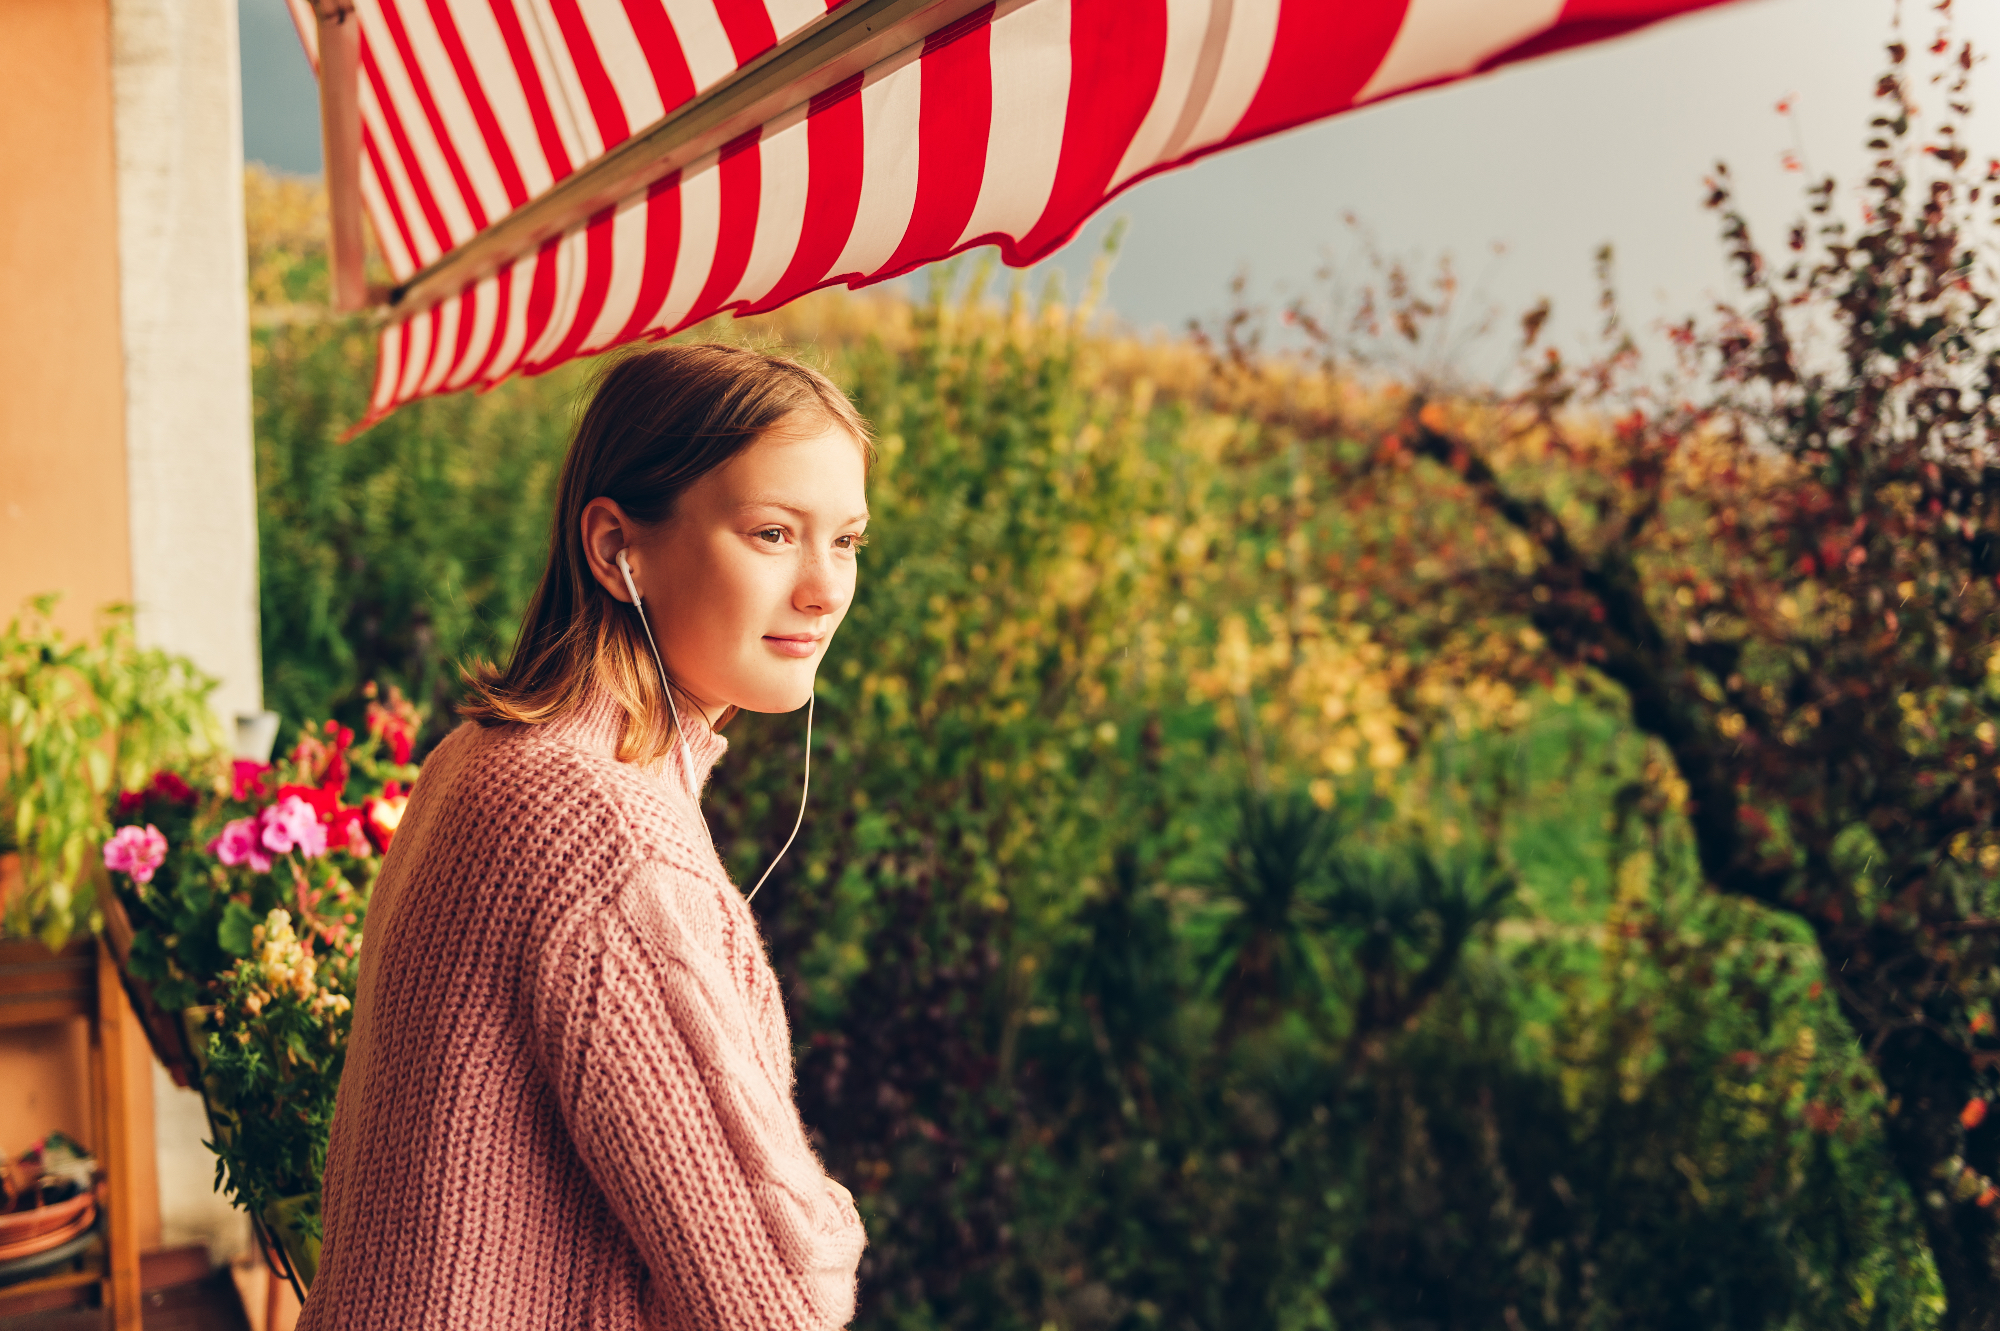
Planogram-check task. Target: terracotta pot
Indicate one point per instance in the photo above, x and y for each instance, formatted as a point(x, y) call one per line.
point(25, 1233)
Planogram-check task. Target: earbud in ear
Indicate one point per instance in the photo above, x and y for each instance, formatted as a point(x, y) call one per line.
point(631, 587)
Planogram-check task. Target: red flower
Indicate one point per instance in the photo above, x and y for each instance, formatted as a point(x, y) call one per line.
point(164, 786)
point(334, 778)
point(347, 830)
point(1973, 1114)
point(324, 802)
point(395, 722)
point(169, 786)
point(382, 817)
point(247, 780)
point(321, 755)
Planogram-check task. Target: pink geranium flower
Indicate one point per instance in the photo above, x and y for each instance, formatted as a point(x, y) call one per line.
point(290, 824)
point(240, 844)
point(293, 824)
point(137, 851)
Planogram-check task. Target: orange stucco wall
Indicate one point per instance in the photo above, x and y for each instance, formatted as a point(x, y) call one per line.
point(63, 523)
point(63, 512)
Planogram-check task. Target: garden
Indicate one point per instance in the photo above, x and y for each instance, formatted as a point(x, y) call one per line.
point(1291, 846)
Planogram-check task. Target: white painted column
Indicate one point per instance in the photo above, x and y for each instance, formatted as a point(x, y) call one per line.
point(192, 487)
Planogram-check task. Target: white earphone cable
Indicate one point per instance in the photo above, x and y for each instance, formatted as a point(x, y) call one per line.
point(805, 787)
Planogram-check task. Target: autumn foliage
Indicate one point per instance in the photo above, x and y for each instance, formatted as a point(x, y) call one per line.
point(1786, 565)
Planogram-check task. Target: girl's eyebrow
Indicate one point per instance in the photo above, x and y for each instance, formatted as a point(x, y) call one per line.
point(780, 505)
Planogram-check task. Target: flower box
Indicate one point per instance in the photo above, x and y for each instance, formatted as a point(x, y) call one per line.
point(235, 916)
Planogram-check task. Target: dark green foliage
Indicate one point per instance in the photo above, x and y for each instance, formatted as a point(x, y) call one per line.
point(398, 554)
point(1097, 1041)
point(1266, 958)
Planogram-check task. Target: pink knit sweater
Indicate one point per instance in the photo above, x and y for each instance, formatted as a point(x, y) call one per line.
point(568, 1095)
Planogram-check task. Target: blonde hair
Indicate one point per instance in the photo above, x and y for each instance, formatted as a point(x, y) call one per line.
point(658, 421)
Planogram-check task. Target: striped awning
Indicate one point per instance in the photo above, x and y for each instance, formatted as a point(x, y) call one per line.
point(1005, 124)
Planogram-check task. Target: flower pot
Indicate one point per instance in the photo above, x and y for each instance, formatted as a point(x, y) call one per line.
point(26, 1233)
point(165, 1031)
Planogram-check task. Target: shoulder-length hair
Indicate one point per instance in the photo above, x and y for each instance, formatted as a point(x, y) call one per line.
point(658, 421)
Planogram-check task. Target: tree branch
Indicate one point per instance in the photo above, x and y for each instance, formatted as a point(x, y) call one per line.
point(1623, 640)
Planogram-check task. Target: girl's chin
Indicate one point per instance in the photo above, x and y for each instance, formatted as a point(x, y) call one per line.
point(773, 696)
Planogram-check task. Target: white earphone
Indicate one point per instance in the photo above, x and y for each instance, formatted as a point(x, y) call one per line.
point(687, 755)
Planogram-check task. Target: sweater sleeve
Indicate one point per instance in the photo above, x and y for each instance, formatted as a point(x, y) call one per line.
point(693, 1139)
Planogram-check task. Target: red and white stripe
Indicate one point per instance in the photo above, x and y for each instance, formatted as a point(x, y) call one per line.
point(1008, 127)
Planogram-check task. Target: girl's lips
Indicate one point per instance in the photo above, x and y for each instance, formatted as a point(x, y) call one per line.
point(800, 647)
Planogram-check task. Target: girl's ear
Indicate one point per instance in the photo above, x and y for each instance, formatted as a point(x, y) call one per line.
point(608, 532)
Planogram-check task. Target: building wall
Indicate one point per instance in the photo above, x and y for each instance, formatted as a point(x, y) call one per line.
point(63, 481)
point(125, 446)
point(186, 336)
point(63, 501)
point(192, 491)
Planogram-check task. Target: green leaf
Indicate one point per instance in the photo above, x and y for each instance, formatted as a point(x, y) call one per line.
point(234, 931)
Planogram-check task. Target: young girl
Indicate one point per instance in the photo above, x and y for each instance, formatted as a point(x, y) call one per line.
point(568, 1094)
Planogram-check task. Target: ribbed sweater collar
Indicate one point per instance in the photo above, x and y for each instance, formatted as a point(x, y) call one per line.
point(598, 722)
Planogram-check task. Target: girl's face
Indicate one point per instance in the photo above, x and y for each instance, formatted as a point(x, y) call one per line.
point(745, 584)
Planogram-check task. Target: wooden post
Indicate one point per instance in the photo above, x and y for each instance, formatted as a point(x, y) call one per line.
point(340, 142)
point(114, 1147)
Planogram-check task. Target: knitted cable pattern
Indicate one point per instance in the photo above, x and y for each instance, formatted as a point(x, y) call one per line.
point(568, 1098)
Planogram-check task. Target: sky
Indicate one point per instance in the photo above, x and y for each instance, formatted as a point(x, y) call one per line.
point(1518, 177)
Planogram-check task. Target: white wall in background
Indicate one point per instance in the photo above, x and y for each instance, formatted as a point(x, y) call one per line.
point(177, 87)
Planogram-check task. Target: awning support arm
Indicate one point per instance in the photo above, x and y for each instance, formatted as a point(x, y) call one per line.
point(340, 143)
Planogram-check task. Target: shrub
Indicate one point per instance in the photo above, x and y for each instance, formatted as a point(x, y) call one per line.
point(1037, 1033)
point(1785, 565)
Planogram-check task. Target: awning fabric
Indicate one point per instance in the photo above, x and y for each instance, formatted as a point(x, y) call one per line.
point(1008, 127)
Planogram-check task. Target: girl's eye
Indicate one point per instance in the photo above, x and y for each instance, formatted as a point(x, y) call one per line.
point(854, 542)
point(772, 534)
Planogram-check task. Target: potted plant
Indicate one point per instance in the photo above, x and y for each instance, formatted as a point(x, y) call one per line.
point(80, 718)
point(238, 900)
